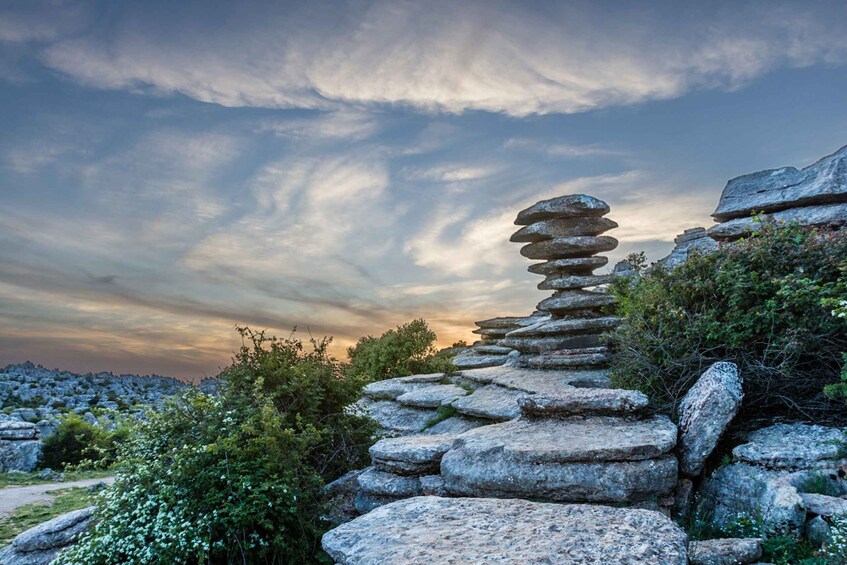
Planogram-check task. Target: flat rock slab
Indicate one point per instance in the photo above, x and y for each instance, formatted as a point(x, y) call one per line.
point(823, 505)
point(505, 322)
point(704, 414)
point(727, 551)
point(491, 402)
point(567, 326)
point(569, 266)
point(428, 530)
point(569, 206)
point(558, 282)
point(562, 227)
point(395, 417)
point(381, 483)
point(390, 389)
point(12, 429)
point(474, 361)
point(566, 359)
point(432, 396)
point(794, 446)
point(584, 402)
point(554, 342)
point(831, 215)
point(537, 381)
point(413, 455)
point(592, 460)
point(454, 425)
point(571, 300)
point(56, 533)
point(563, 247)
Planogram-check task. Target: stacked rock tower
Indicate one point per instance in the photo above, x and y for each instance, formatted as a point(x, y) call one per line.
point(566, 234)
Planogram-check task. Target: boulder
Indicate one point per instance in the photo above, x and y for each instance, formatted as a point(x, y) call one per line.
point(794, 446)
point(454, 425)
point(584, 402)
point(396, 418)
point(568, 359)
point(491, 402)
point(414, 455)
point(472, 360)
point(511, 322)
point(562, 227)
point(390, 389)
point(19, 455)
point(570, 266)
point(432, 396)
point(694, 240)
point(825, 215)
point(427, 530)
point(728, 551)
point(824, 182)
point(381, 483)
point(41, 544)
point(570, 206)
point(542, 344)
point(365, 502)
point(824, 505)
point(564, 247)
point(567, 326)
point(704, 414)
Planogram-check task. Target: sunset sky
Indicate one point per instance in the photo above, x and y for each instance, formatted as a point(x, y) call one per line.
point(171, 169)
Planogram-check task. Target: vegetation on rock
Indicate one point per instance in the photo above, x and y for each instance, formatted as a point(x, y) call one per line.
point(765, 303)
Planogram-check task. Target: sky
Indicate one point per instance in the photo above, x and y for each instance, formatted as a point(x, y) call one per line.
point(169, 170)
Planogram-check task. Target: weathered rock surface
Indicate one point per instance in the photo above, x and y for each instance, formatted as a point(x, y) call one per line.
point(14, 430)
point(431, 397)
point(823, 182)
point(414, 455)
point(570, 282)
point(563, 247)
point(602, 459)
point(429, 530)
point(570, 206)
point(728, 551)
point(694, 240)
point(562, 227)
point(492, 402)
point(825, 215)
point(473, 360)
point(20, 455)
point(390, 389)
point(396, 418)
point(823, 505)
point(542, 344)
point(571, 266)
point(794, 446)
point(381, 483)
point(704, 414)
point(41, 544)
point(570, 300)
point(454, 425)
point(565, 359)
point(584, 402)
point(567, 326)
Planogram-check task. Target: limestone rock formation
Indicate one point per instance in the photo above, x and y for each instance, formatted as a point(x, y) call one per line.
point(565, 233)
point(693, 240)
point(705, 413)
point(727, 551)
point(41, 544)
point(814, 196)
point(20, 449)
point(430, 529)
point(794, 447)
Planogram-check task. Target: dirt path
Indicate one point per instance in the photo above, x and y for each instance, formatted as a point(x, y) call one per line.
point(13, 497)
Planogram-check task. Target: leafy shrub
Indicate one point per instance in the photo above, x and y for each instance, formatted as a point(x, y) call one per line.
point(77, 442)
point(234, 477)
point(762, 303)
point(407, 350)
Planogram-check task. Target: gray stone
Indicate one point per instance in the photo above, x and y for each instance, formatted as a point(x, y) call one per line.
point(414, 455)
point(492, 350)
point(20, 455)
point(567, 326)
point(762, 495)
point(13, 430)
point(563, 247)
point(728, 551)
point(538, 381)
point(433, 485)
point(511, 322)
point(492, 402)
point(823, 182)
point(826, 215)
point(340, 498)
point(397, 418)
point(592, 460)
point(428, 530)
point(390, 389)
point(794, 446)
point(366, 502)
point(695, 240)
point(381, 483)
point(8, 556)
point(59, 532)
point(570, 266)
point(345, 484)
point(562, 227)
point(432, 396)
point(453, 425)
point(824, 505)
point(704, 414)
point(817, 531)
point(570, 282)
point(584, 402)
point(571, 300)
point(471, 360)
point(572, 359)
point(570, 206)
point(543, 344)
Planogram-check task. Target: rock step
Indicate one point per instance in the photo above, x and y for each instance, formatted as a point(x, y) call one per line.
point(381, 483)
point(603, 460)
point(506, 322)
point(473, 360)
point(556, 282)
point(575, 300)
point(412, 455)
point(562, 227)
point(491, 402)
point(390, 389)
point(570, 206)
point(572, 266)
point(793, 446)
point(432, 396)
point(493, 350)
point(553, 343)
point(567, 359)
point(727, 551)
point(427, 530)
point(563, 247)
point(584, 402)
point(567, 326)
point(537, 381)
point(396, 418)
point(823, 505)
point(455, 425)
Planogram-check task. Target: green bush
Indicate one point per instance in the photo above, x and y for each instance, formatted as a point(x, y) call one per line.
point(764, 303)
point(234, 478)
point(77, 442)
point(407, 350)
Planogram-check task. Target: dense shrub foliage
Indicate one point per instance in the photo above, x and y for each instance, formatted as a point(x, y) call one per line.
point(767, 303)
point(407, 350)
point(77, 442)
point(235, 478)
